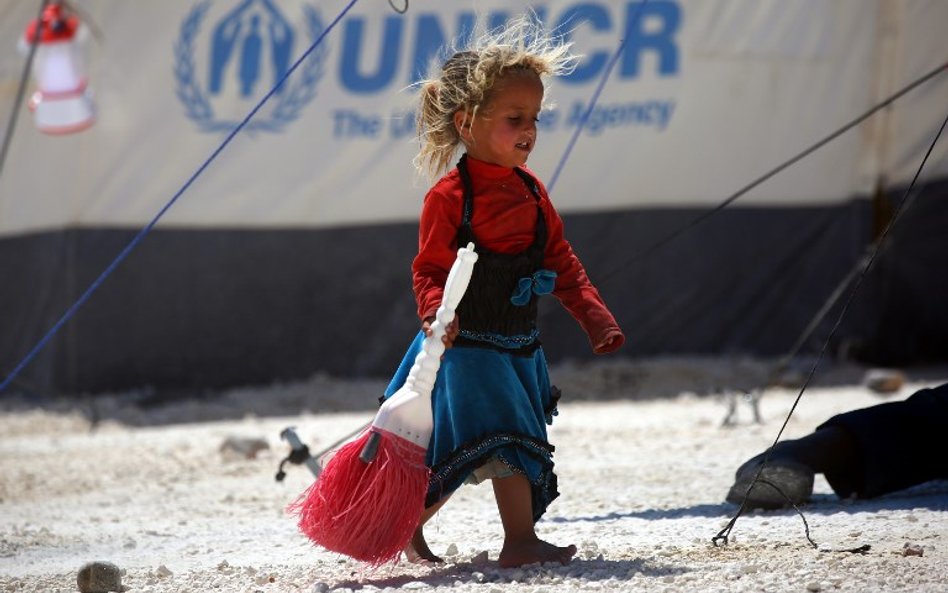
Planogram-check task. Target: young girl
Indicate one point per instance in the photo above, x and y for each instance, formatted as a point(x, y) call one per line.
point(493, 396)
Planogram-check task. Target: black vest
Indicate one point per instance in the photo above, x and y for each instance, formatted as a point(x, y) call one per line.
point(488, 317)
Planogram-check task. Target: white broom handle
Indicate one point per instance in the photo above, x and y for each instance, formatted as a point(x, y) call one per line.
point(421, 377)
point(425, 370)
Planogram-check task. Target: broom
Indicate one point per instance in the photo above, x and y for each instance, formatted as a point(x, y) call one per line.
point(367, 501)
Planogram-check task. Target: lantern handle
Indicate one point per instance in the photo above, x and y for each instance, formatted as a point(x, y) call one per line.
point(84, 18)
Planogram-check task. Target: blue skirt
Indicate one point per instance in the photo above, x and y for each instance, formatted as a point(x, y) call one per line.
point(488, 404)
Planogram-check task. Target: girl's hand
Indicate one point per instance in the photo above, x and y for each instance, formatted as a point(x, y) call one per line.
point(611, 341)
point(450, 332)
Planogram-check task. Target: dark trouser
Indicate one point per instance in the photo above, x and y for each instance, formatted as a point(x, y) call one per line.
point(900, 444)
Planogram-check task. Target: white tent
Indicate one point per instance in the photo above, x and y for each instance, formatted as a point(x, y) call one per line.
point(290, 252)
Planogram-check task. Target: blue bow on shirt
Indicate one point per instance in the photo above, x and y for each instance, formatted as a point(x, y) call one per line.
point(541, 282)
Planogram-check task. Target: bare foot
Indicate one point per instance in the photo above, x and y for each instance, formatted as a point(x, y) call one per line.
point(418, 552)
point(531, 551)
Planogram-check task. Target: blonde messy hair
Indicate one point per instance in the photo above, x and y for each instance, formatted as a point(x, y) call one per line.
point(465, 81)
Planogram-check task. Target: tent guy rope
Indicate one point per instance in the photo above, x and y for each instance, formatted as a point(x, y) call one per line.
point(581, 124)
point(943, 67)
point(71, 311)
point(722, 537)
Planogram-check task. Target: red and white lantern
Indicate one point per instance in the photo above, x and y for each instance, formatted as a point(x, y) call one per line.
point(63, 102)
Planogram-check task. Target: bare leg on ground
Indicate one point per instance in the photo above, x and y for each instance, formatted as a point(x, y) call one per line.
point(418, 551)
point(521, 544)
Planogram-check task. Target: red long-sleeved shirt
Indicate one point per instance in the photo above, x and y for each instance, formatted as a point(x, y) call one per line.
point(504, 221)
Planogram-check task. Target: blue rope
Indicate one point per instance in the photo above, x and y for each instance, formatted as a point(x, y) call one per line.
point(592, 103)
point(141, 234)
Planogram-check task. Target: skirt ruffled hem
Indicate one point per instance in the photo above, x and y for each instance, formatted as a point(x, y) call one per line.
point(521, 454)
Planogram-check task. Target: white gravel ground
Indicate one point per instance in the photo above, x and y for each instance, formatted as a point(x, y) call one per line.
point(642, 478)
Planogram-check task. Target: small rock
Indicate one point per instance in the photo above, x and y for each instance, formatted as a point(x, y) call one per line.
point(452, 550)
point(813, 586)
point(243, 447)
point(588, 550)
point(480, 558)
point(100, 577)
point(163, 572)
point(884, 380)
point(910, 549)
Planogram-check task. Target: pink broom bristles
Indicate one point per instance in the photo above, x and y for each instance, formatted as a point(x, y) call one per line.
point(368, 500)
point(368, 511)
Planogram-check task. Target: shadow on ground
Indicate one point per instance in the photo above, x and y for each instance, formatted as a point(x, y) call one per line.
point(931, 495)
point(490, 572)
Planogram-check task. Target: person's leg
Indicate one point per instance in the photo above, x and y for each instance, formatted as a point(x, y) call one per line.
point(418, 551)
point(898, 445)
point(865, 453)
point(826, 449)
point(521, 544)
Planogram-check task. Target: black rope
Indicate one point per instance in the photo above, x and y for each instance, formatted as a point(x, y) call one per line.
point(402, 10)
point(831, 300)
point(784, 362)
point(21, 90)
point(24, 385)
point(722, 537)
point(704, 216)
point(581, 124)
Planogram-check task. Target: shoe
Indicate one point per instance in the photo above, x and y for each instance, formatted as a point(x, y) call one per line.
point(793, 479)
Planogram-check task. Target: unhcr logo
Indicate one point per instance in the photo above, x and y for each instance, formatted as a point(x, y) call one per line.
point(222, 72)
